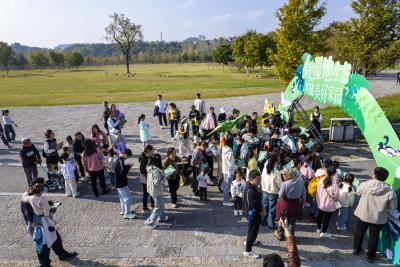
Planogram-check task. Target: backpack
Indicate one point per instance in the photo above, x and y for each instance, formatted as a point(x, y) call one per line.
point(312, 186)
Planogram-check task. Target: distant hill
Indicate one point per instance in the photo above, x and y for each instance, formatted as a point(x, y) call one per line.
point(23, 49)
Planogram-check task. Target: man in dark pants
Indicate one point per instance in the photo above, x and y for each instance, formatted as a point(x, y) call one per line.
point(106, 115)
point(161, 107)
point(254, 211)
point(57, 247)
point(376, 199)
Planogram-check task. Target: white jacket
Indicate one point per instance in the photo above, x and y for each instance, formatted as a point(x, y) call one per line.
point(346, 198)
point(155, 181)
point(68, 168)
point(228, 160)
point(270, 183)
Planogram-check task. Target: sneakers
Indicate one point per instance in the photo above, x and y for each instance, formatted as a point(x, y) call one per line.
point(240, 212)
point(319, 231)
point(129, 216)
point(150, 225)
point(122, 213)
point(235, 212)
point(327, 235)
point(69, 255)
point(174, 206)
point(255, 243)
point(163, 220)
point(341, 228)
point(357, 252)
point(251, 255)
point(228, 204)
point(161, 127)
point(145, 210)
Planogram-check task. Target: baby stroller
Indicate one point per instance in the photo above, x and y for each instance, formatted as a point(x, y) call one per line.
point(55, 181)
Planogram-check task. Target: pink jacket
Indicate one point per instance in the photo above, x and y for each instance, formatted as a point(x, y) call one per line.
point(94, 162)
point(307, 172)
point(327, 197)
point(209, 123)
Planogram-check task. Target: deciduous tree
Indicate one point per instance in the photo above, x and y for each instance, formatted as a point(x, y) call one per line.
point(6, 55)
point(56, 58)
point(222, 53)
point(74, 59)
point(38, 59)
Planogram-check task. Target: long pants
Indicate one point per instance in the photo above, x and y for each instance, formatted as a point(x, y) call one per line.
point(210, 161)
point(9, 132)
point(57, 247)
point(173, 186)
point(323, 219)
point(71, 187)
point(146, 195)
point(292, 225)
point(173, 127)
point(269, 201)
point(195, 129)
point(238, 204)
point(93, 179)
point(158, 211)
point(4, 139)
point(31, 173)
point(161, 117)
point(106, 124)
point(203, 193)
point(252, 232)
point(342, 217)
point(125, 198)
point(227, 186)
point(361, 229)
point(194, 185)
point(78, 160)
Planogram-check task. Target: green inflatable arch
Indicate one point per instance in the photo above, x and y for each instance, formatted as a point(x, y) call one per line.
point(329, 82)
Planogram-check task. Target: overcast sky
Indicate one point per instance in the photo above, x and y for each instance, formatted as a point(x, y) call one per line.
point(47, 23)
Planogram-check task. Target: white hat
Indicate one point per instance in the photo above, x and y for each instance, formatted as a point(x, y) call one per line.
point(222, 110)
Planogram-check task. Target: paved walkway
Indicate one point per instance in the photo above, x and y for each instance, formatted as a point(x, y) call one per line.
point(198, 233)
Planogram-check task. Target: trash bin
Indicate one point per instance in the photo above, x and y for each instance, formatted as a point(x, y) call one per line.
point(341, 129)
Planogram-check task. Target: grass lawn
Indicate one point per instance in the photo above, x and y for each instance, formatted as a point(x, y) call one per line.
point(91, 85)
point(387, 103)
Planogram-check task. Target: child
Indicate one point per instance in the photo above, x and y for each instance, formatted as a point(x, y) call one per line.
point(121, 183)
point(327, 195)
point(339, 172)
point(144, 127)
point(69, 147)
point(68, 168)
point(265, 133)
point(183, 133)
point(110, 166)
point(237, 191)
point(345, 201)
point(306, 170)
point(203, 180)
point(8, 126)
point(50, 148)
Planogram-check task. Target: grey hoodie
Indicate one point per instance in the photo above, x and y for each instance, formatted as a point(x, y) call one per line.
point(377, 198)
point(155, 181)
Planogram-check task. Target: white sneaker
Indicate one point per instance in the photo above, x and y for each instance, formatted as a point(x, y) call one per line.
point(228, 204)
point(122, 213)
point(343, 228)
point(174, 206)
point(129, 216)
point(164, 220)
point(325, 235)
point(319, 231)
point(235, 212)
point(151, 226)
point(251, 255)
point(240, 212)
point(161, 127)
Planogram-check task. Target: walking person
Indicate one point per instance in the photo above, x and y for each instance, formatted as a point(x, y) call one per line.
point(106, 115)
point(376, 199)
point(155, 187)
point(173, 180)
point(8, 126)
point(398, 78)
point(328, 193)
point(254, 212)
point(30, 158)
point(173, 118)
point(228, 167)
point(199, 104)
point(143, 162)
point(3, 137)
point(79, 146)
point(271, 181)
point(144, 130)
point(160, 110)
point(121, 183)
point(93, 162)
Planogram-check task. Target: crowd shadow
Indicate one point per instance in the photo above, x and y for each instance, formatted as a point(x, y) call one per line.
point(82, 262)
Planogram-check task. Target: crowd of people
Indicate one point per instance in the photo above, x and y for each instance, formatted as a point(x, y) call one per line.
point(271, 172)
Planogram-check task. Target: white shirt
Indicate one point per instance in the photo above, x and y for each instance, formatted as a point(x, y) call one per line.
point(162, 106)
point(200, 105)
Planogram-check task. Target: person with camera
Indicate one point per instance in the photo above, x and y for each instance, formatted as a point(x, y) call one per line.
point(38, 213)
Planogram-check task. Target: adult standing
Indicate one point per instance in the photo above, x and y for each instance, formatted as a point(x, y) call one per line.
point(228, 167)
point(99, 138)
point(30, 157)
point(316, 118)
point(173, 118)
point(106, 115)
point(160, 109)
point(143, 161)
point(155, 187)
point(113, 128)
point(200, 104)
point(173, 180)
point(210, 122)
point(198, 157)
point(121, 183)
point(398, 78)
point(79, 147)
point(195, 117)
point(50, 148)
point(254, 212)
point(92, 160)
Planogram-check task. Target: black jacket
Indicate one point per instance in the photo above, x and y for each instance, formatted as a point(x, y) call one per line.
point(79, 146)
point(194, 115)
point(121, 173)
point(143, 160)
point(253, 199)
point(221, 117)
point(29, 156)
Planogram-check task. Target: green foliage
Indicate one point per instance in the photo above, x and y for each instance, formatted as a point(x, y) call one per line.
point(56, 58)
point(74, 59)
point(255, 50)
point(38, 59)
point(6, 55)
point(296, 35)
point(125, 34)
point(222, 53)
